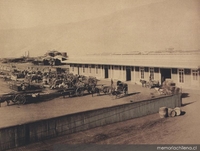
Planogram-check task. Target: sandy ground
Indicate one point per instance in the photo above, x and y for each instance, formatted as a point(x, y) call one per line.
point(33, 111)
point(150, 129)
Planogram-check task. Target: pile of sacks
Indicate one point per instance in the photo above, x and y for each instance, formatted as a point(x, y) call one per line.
point(169, 112)
point(169, 87)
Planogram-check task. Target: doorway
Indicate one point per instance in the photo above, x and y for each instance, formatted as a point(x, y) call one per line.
point(165, 74)
point(106, 72)
point(128, 74)
point(78, 70)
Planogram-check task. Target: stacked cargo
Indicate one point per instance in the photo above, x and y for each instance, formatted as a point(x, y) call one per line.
point(169, 87)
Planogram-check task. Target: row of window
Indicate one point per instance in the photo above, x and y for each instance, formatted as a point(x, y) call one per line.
point(195, 75)
point(90, 69)
point(151, 71)
point(181, 73)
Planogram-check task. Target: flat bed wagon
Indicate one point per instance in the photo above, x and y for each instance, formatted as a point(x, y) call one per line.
point(19, 97)
point(23, 92)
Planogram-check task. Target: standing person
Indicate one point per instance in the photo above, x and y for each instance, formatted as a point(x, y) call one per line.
point(162, 80)
point(112, 87)
point(111, 82)
point(150, 78)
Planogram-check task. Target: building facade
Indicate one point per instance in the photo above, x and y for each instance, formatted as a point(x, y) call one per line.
point(184, 72)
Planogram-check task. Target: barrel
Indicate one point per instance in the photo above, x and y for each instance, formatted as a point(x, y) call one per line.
point(173, 113)
point(169, 112)
point(163, 112)
point(178, 111)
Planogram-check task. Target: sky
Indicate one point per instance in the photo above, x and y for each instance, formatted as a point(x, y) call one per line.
point(31, 13)
point(95, 26)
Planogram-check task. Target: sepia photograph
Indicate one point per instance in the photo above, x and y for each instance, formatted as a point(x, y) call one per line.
point(99, 75)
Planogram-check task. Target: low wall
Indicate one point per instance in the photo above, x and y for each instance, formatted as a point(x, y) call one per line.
point(20, 135)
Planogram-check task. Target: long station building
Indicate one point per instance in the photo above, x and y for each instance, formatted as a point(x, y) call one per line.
point(184, 70)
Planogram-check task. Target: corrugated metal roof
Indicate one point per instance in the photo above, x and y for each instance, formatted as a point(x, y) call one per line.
point(165, 61)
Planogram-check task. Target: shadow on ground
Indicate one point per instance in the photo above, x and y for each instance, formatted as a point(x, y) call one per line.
point(182, 113)
point(185, 95)
point(129, 94)
point(187, 103)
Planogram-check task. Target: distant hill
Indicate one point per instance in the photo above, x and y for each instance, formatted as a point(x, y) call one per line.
point(151, 28)
point(165, 52)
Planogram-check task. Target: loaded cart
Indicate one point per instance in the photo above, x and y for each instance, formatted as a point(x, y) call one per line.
point(22, 97)
point(120, 90)
point(19, 97)
point(23, 92)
